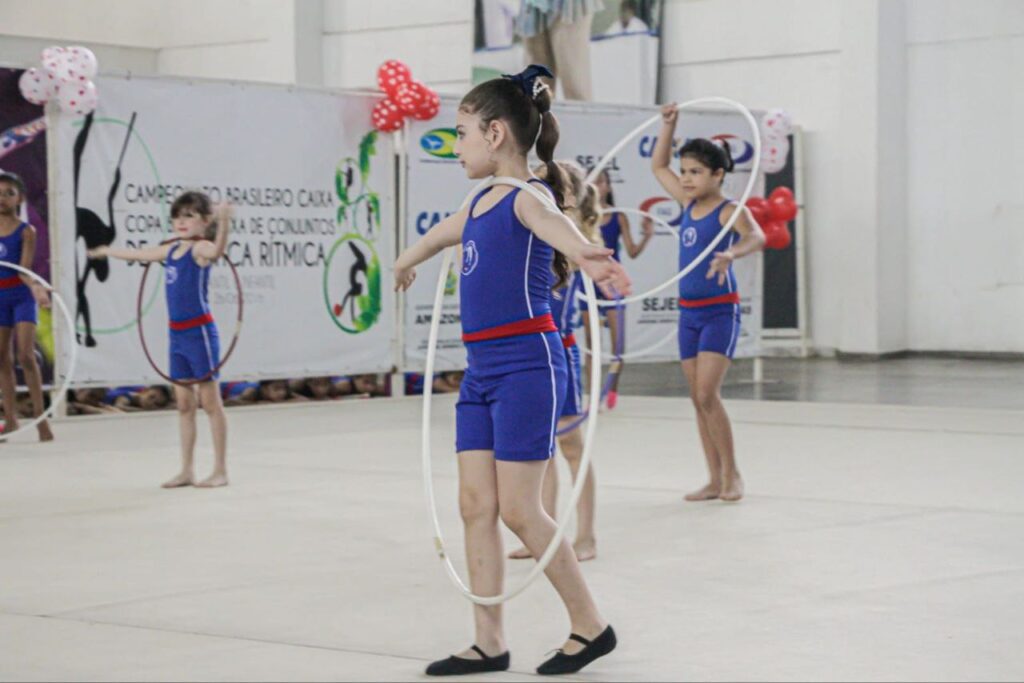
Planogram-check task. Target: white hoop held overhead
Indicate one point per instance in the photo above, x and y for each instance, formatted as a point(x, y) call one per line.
point(735, 214)
point(674, 231)
point(565, 514)
point(54, 296)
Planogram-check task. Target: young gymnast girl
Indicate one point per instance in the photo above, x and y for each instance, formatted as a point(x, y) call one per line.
point(512, 393)
point(20, 295)
point(615, 230)
point(709, 304)
point(194, 342)
point(582, 208)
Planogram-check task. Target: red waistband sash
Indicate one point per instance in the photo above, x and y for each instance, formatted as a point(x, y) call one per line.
point(8, 282)
point(198, 321)
point(732, 298)
point(541, 323)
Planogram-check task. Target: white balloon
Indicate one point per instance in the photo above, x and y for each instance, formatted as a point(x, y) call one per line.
point(777, 121)
point(77, 98)
point(774, 153)
point(50, 53)
point(37, 86)
point(70, 69)
point(85, 59)
point(56, 62)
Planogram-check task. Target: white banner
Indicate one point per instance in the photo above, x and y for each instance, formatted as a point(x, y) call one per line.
point(312, 239)
point(588, 132)
point(437, 185)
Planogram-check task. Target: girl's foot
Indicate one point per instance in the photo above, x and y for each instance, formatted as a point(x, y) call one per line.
point(183, 479)
point(586, 549)
point(471, 661)
point(732, 489)
point(213, 481)
point(521, 554)
point(578, 652)
point(709, 492)
point(45, 434)
point(612, 399)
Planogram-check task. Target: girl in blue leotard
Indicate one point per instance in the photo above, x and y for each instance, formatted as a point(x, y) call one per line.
point(615, 230)
point(581, 206)
point(195, 345)
point(709, 310)
point(20, 297)
point(515, 383)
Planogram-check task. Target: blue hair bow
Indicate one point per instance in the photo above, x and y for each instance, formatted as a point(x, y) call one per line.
point(525, 78)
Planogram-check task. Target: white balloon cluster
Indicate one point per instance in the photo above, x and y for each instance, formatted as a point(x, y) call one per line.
point(66, 74)
point(775, 129)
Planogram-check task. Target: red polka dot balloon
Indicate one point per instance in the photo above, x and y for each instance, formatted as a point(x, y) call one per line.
point(386, 116)
point(429, 108)
point(391, 75)
point(411, 96)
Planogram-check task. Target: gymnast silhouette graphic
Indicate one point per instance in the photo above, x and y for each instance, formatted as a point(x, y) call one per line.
point(355, 286)
point(92, 230)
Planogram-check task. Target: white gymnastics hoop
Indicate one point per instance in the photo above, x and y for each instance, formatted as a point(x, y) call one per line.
point(742, 202)
point(48, 413)
point(565, 514)
point(674, 231)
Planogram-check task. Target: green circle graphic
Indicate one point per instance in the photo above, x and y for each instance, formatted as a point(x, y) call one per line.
point(166, 218)
point(369, 303)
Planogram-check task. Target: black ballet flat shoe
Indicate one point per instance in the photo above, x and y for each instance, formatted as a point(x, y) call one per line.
point(457, 666)
point(562, 663)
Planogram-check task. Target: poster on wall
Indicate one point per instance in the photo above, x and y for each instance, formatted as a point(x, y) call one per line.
point(312, 188)
point(587, 133)
point(23, 152)
point(599, 50)
point(437, 184)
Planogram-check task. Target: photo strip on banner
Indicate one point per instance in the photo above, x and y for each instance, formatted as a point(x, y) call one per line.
point(599, 50)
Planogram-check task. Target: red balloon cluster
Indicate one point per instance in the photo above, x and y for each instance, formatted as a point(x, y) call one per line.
point(773, 214)
point(405, 97)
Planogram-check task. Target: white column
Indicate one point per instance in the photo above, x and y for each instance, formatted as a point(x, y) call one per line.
point(873, 190)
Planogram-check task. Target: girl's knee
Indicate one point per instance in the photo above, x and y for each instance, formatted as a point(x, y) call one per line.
point(476, 507)
point(706, 399)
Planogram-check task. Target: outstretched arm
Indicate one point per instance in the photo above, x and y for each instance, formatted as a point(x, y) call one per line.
point(549, 224)
point(447, 233)
point(147, 254)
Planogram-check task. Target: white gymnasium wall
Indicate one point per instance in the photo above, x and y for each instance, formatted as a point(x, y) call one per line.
point(434, 37)
point(231, 39)
point(251, 40)
point(914, 182)
point(784, 53)
point(965, 104)
point(120, 33)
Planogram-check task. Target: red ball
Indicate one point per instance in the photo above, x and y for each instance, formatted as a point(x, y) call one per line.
point(391, 75)
point(782, 191)
point(411, 96)
point(758, 207)
point(781, 208)
point(428, 109)
point(386, 116)
point(776, 235)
